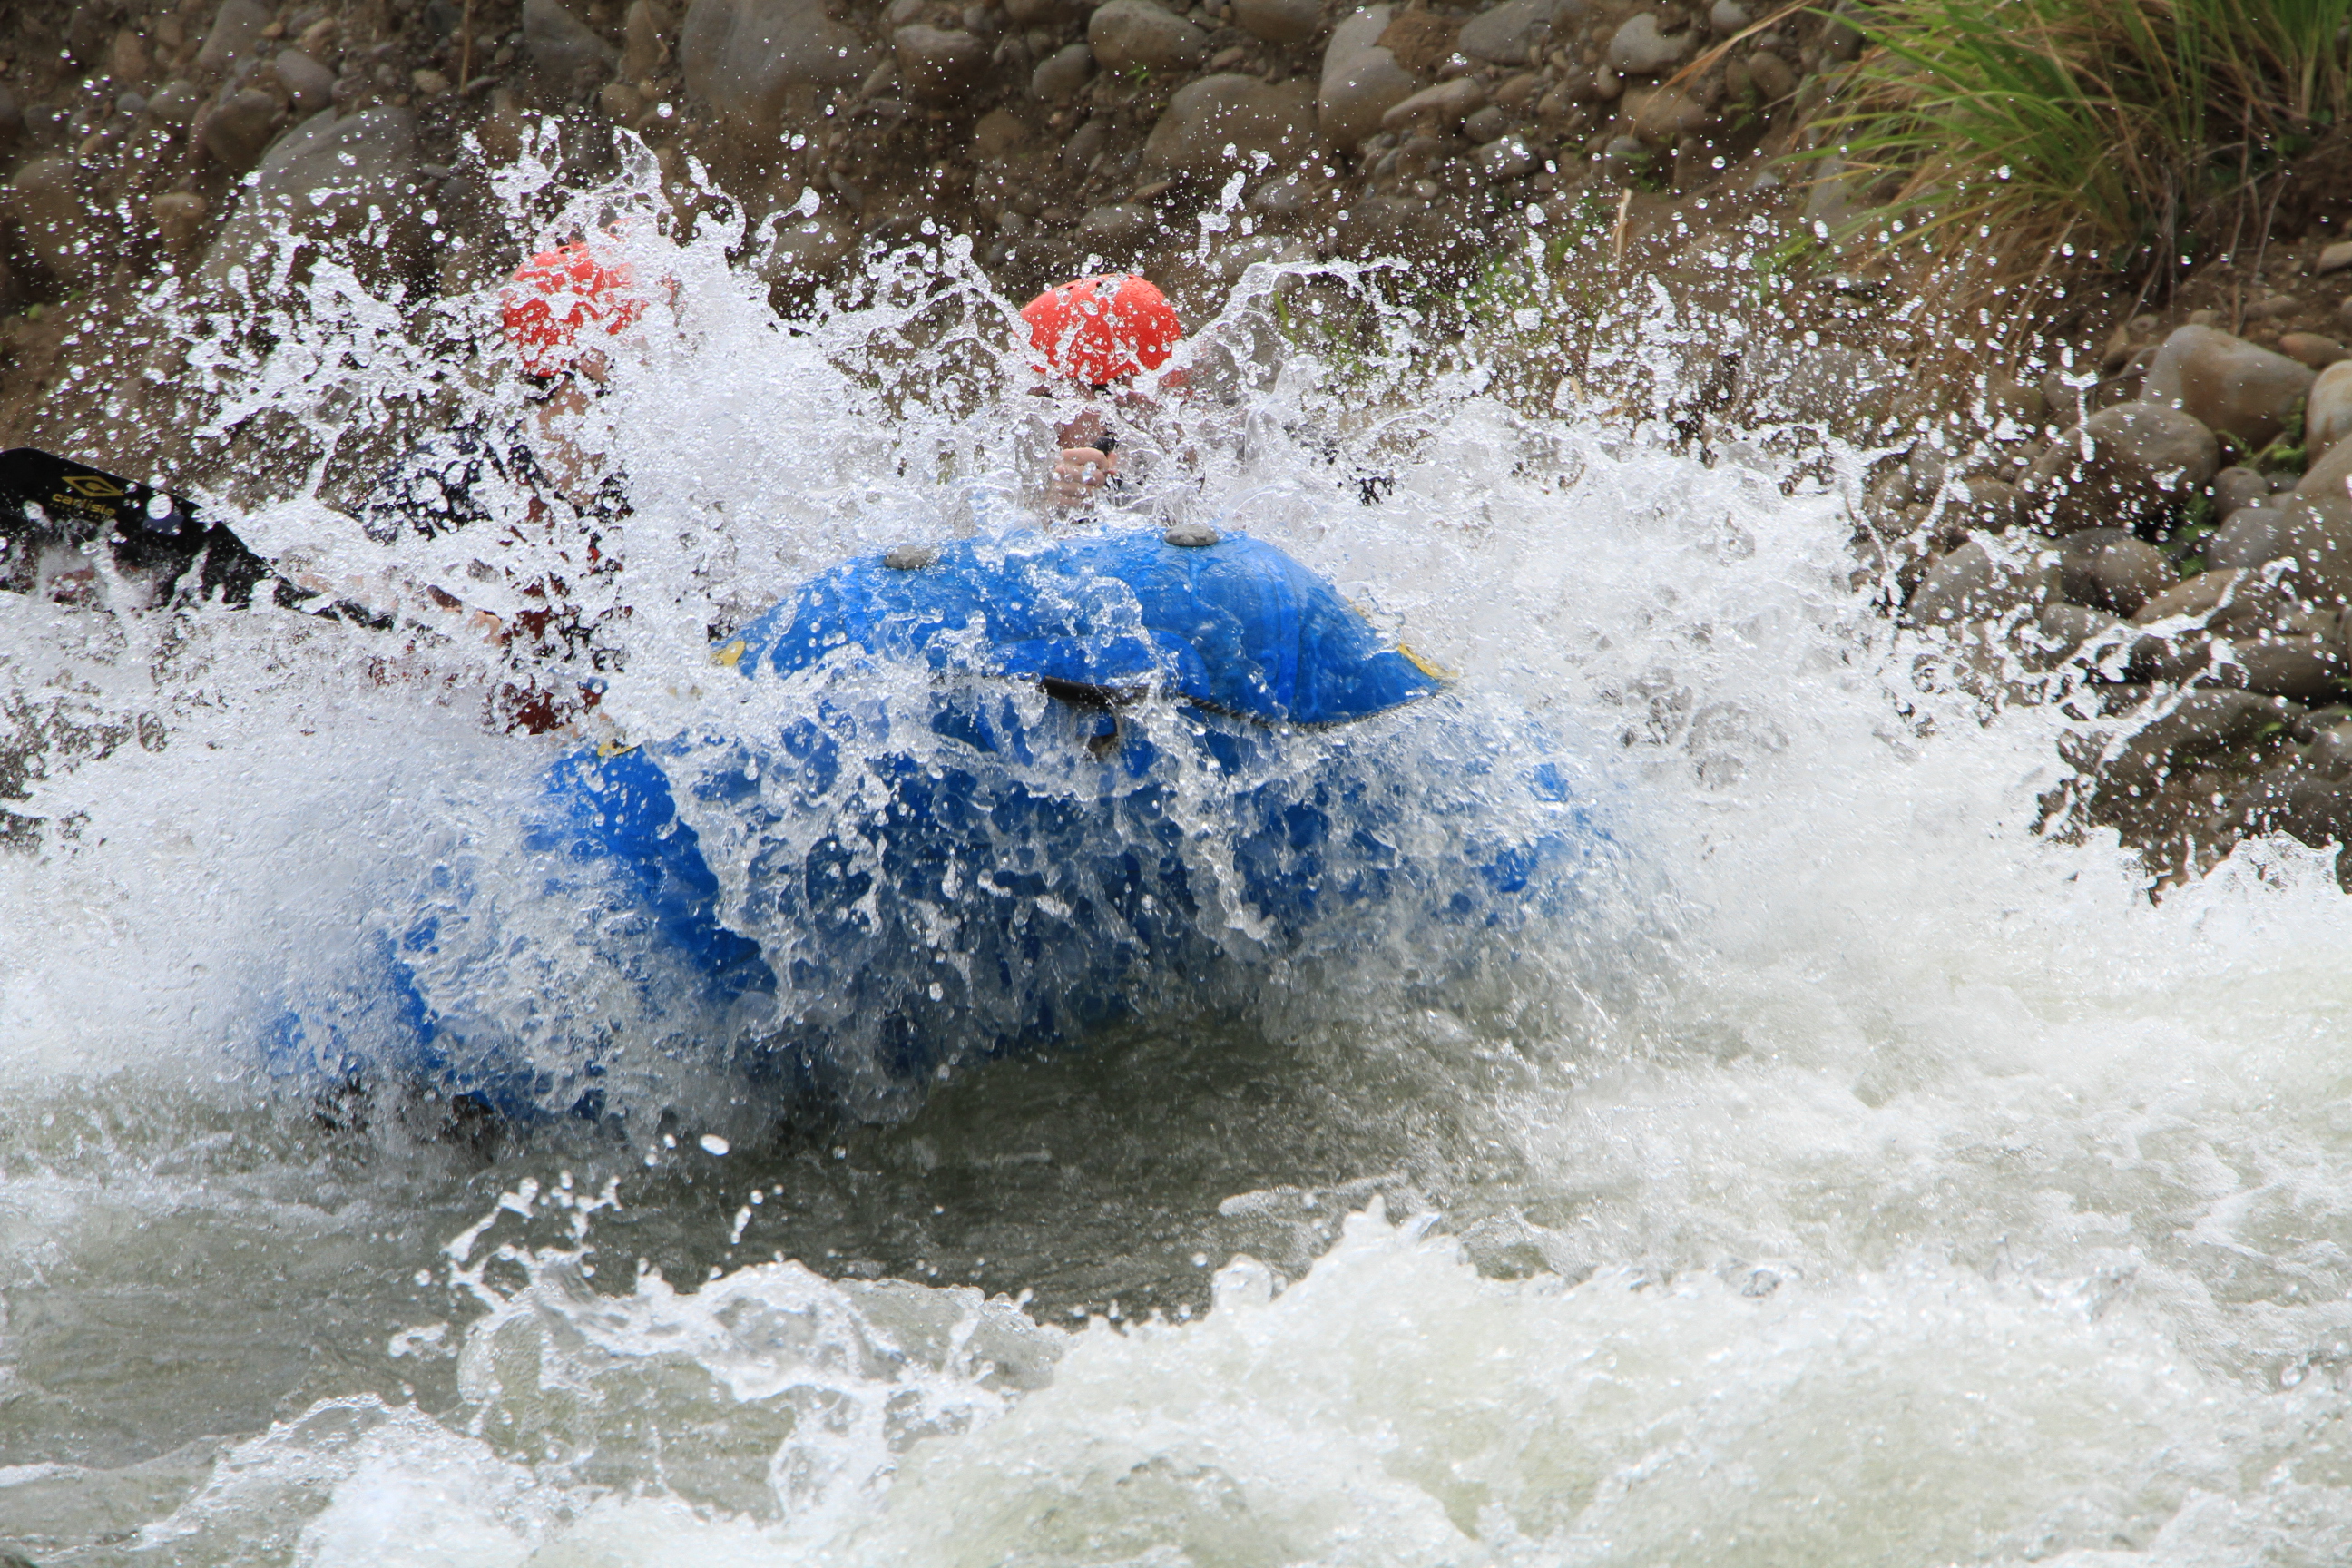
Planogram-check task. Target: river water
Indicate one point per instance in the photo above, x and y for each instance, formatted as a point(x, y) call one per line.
point(1864, 1181)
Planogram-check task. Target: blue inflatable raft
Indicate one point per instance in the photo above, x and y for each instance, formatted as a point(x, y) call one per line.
point(967, 802)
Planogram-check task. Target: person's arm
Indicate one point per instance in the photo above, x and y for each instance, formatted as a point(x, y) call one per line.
point(1080, 472)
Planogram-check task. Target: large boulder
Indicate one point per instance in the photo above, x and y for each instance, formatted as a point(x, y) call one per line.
point(352, 183)
point(2226, 384)
point(1220, 123)
point(2327, 411)
point(2123, 465)
point(750, 59)
point(1130, 34)
point(1361, 80)
point(1506, 35)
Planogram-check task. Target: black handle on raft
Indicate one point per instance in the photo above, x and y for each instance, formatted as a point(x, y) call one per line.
point(49, 499)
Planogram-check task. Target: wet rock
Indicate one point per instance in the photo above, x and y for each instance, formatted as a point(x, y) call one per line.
point(1488, 123)
point(2311, 349)
point(1989, 505)
point(2063, 630)
point(2333, 258)
point(1835, 200)
point(1125, 34)
point(1841, 40)
point(1505, 158)
point(308, 84)
point(2329, 479)
point(54, 222)
point(127, 62)
point(2202, 723)
point(1034, 13)
point(236, 35)
point(2108, 569)
point(1506, 35)
point(2195, 599)
point(751, 61)
point(939, 65)
point(1843, 390)
point(2307, 668)
point(2304, 800)
point(999, 134)
point(1728, 17)
point(240, 129)
point(174, 103)
point(1598, 86)
point(316, 188)
point(1118, 226)
point(1775, 77)
point(11, 119)
point(1361, 80)
point(1385, 225)
point(1086, 143)
point(1440, 109)
point(565, 51)
point(1513, 92)
point(1661, 116)
point(1972, 583)
point(177, 217)
point(2327, 413)
point(1061, 75)
point(2235, 488)
point(1642, 47)
point(2122, 465)
point(1251, 117)
point(2249, 538)
point(1278, 21)
point(2331, 746)
point(2226, 382)
point(643, 33)
point(2316, 535)
point(807, 250)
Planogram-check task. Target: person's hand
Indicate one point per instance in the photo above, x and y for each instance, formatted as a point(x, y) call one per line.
point(1078, 473)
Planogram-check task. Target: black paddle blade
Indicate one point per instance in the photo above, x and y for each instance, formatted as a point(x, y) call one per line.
point(46, 499)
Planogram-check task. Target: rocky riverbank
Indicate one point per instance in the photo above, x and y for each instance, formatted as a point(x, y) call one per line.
point(2144, 512)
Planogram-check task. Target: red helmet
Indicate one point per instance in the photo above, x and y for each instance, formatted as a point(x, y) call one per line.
point(1101, 329)
point(558, 292)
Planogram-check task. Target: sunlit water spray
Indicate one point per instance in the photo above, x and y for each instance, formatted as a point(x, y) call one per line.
point(1868, 1181)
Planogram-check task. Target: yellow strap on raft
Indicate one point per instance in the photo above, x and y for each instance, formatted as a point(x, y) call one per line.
point(1434, 671)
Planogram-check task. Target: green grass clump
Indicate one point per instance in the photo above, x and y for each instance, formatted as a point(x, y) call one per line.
point(2043, 138)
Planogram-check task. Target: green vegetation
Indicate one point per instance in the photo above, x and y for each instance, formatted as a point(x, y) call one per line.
point(2048, 137)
